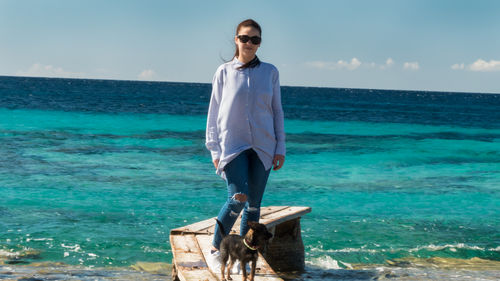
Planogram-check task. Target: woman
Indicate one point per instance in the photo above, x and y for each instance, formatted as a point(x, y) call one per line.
point(245, 130)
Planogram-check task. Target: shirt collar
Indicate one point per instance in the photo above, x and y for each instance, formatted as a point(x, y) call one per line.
point(236, 61)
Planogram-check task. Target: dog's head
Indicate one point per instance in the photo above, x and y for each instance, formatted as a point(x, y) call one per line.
point(258, 234)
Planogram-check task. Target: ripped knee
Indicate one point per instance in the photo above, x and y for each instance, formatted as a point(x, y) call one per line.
point(240, 197)
point(237, 203)
point(253, 209)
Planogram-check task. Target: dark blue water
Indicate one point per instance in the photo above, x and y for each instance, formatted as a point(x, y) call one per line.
point(305, 103)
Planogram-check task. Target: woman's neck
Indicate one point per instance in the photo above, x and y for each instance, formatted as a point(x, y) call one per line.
point(245, 59)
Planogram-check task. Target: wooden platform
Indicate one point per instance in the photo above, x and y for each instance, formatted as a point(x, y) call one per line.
point(191, 244)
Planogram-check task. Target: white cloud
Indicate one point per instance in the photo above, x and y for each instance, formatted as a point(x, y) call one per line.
point(371, 65)
point(355, 63)
point(482, 65)
point(411, 65)
point(317, 64)
point(458, 66)
point(40, 70)
point(147, 74)
point(341, 64)
point(478, 65)
point(388, 63)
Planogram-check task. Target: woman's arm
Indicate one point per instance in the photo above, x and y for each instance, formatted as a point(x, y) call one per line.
point(212, 135)
point(279, 124)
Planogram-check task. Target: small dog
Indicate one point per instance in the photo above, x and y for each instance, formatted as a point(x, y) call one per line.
point(243, 249)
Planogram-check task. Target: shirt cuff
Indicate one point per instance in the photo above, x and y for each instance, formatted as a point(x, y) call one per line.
point(215, 154)
point(280, 148)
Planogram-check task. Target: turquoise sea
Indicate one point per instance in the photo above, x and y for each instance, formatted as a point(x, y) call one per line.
point(94, 173)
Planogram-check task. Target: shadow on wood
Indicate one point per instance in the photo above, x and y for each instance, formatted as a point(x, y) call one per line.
point(285, 251)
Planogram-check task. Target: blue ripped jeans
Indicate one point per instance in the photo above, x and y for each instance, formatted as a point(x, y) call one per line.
point(245, 174)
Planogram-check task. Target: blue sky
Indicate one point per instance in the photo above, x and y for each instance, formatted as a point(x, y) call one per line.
point(440, 45)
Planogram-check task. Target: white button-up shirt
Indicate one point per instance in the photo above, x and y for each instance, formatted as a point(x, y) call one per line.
point(245, 112)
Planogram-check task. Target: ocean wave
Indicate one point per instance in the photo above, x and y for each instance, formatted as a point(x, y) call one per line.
point(26, 253)
point(8, 254)
point(451, 247)
point(39, 239)
point(73, 248)
point(497, 249)
point(148, 249)
point(347, 250)
point(327, 262)
point(431, 247)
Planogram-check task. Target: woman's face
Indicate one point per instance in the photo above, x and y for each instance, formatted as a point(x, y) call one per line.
point(247, 49)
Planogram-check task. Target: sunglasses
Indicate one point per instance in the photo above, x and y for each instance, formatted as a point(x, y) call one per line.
point(254, 39)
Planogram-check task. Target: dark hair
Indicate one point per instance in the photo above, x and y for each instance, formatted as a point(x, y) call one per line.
point(249, 22)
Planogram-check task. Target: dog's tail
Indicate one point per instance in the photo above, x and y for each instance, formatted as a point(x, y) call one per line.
point(221, 228)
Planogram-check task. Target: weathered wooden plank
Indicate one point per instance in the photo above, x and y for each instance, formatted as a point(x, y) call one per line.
point(207, 226)
point(287, 214)
point(197, 226)
point(188, 259)
point(285, 211)
point(263, 271)
point(263, 213)
point(271, 209)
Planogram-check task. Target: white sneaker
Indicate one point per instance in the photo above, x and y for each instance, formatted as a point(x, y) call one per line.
point(213, 262)
point(236, 267)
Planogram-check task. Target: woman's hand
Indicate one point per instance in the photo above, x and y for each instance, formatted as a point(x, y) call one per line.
point(216, 163)
point(278, 161)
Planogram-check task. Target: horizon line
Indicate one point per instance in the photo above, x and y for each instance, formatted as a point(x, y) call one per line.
point(182, 82)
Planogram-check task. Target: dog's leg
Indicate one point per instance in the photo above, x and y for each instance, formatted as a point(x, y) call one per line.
point(244, 270)
point(223, 260)
point(231, 262)
point(222, 268)
point(253, 266)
